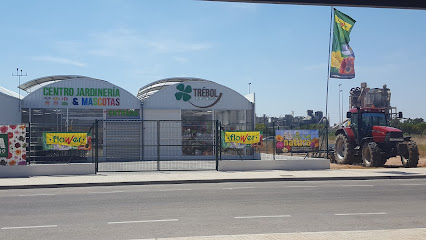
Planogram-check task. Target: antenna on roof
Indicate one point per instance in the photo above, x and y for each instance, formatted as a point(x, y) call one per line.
point(19, 75)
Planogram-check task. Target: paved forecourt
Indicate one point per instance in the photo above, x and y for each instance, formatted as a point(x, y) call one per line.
point(174, 177)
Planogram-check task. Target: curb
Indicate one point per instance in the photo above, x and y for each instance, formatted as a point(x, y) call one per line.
point(101, 184)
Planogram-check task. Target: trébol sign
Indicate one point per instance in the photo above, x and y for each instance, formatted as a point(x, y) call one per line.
point(81, 96)
point(186, 94)
point(4, 148)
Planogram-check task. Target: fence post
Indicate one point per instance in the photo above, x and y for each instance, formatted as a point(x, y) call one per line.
point(29, 144)
point(220, 141)
point(274, 150)
point(217, 144)
point(158, 145)
point(96, 146)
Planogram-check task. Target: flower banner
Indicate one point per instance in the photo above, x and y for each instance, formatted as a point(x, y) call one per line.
point(342, 56)
point(242, 137)
point(67, 141)
point(13, 145)
point(297, 141)
point(235, 145)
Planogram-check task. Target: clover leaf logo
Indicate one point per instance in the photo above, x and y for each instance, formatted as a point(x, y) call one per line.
point(183, 92)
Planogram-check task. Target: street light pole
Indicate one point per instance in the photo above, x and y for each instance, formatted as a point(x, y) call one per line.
point(19, 75)
point(249, 86)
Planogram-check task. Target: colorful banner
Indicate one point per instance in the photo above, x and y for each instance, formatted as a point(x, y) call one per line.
point(13, 145)
point(66, 141)
point(236, 145)
point(242, 137)
point(297, 141)
point(342, 56)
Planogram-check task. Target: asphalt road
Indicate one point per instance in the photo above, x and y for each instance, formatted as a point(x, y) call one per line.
point(179, 210)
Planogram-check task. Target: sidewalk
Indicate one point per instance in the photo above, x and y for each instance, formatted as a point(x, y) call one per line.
point(181, 177)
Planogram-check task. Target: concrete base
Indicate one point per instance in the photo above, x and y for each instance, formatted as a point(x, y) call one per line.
point(47, 170)
point(289, 164)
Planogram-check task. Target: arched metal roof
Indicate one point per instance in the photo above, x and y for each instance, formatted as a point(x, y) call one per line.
point(36, 83)
point(148, 90)
point(10, 93)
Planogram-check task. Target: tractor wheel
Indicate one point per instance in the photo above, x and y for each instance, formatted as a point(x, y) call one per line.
point(343, 150)
point(410, 157)
point(371, 155)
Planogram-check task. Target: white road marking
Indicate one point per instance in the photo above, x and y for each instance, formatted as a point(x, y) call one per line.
point(273, 216)
point(413, 184)
point(24, 227)
point(145, 221)
point(38, 194)
point(301, 186)
point(170, 190)
point(105, 192)
point(357, 185)
point(238, 188)
point(355, 214)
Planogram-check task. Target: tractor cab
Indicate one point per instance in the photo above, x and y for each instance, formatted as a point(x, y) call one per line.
point(363, 120)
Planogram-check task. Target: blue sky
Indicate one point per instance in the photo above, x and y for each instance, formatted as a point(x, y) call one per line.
point(282, 50)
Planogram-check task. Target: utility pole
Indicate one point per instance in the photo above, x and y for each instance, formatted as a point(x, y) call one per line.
point(19, 75)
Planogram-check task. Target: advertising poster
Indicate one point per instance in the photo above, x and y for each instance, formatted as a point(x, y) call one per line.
point(13, 145)
point(297, 141)
point(239, 140)
point(67, 141)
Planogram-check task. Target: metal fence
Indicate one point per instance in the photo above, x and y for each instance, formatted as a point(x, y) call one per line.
point(38, 152)
point(139, 145)
point(268, 148)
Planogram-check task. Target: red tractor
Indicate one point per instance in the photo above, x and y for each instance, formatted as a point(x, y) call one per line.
point(369, 139)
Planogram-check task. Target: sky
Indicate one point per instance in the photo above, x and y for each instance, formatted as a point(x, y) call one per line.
point(282, 50)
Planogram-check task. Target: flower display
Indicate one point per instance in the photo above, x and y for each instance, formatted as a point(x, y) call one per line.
point(336, 59)
point(279, 138)
point(3, 129)
point(347, 66)
point(16, 154)
point(280, 145)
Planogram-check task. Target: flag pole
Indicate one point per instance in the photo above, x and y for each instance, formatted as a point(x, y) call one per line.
point(328, 79)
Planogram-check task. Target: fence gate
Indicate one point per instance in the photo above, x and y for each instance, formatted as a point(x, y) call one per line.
point(136, 145)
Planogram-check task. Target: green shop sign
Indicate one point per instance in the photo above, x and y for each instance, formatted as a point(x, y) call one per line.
point(4, 145)
point(125, 113)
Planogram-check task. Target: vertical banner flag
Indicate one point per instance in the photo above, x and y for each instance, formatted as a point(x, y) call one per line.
point(342, 56)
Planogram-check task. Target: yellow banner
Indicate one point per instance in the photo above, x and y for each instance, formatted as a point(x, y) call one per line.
point(67, 139)
point(242, 137)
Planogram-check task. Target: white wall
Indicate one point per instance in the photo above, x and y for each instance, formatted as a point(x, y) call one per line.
point(229, 99)
point(9, 110)
point(161, 114)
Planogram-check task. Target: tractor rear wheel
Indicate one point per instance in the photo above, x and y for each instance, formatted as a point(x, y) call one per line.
point(371, 155)
point(410, 157)
point(344, 150)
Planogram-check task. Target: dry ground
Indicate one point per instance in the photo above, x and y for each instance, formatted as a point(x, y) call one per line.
point(391, 163)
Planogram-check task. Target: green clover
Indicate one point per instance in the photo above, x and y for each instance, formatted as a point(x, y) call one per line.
point(184, 92)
